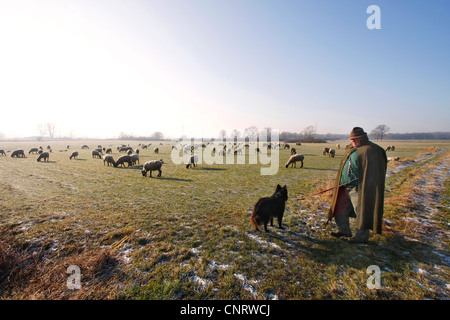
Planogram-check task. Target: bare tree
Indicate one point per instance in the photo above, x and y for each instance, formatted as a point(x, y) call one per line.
point(157, 136)
point(251, 133)
point(42, 130)
point(51, 129)
point(380, 131)
point(309, 133)
point(235, 134)
point(222, 133)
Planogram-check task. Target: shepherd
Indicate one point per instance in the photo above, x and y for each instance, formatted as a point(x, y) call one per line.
point(360, 192)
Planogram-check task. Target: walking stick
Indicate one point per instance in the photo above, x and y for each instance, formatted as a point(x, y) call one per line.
point(329, 189)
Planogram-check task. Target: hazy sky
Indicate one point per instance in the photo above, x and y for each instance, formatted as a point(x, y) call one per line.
point(98, 68)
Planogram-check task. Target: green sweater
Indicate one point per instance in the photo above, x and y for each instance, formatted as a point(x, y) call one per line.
point(350, 171)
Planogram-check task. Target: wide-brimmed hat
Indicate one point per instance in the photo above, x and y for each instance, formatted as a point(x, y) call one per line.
point(357, 132)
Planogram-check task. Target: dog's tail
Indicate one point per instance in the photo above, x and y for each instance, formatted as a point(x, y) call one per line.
point(254, 220)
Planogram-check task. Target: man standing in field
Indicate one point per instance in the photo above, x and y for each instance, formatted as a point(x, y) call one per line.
point(360, 192)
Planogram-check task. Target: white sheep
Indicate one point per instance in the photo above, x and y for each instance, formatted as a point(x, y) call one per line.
point(332, 153)
point(192, 161)
point(293, 160)
point(109, 160)
point(153, 165)
point(135, 158)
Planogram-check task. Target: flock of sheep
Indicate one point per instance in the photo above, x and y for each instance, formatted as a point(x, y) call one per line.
point(131, 156)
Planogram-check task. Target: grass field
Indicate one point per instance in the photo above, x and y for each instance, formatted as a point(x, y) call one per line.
point(186, 235)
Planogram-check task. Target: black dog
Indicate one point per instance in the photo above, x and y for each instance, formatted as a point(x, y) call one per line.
point(269, 207)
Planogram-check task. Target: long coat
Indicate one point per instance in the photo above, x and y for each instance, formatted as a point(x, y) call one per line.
point(372, 166)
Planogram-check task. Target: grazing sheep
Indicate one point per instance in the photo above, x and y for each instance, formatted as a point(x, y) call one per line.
point(192, 161)
point(338, 146)
point(18, 154)
point(326, 151)
point(84, 146)
point(122, 160)
point(2, 152)
point(156, 150)
point(96, 154)
point(108, 159)
point(33, 150)
point(125, 149)
point(293, 160)
point(332, 153)
point(43, 156)
point(74, 155)
point(135, 158)
point(293, 151)
point(153, 165)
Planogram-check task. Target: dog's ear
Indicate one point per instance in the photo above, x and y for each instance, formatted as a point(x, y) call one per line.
point(284, 187)
point(278, 187)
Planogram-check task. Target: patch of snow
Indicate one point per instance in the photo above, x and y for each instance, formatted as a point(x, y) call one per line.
point(262, 242)
point(246, 285)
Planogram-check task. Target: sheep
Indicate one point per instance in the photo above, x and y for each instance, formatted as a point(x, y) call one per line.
point(44, 155)
point(74, 155)
point(293, 160)
point(156, 150)
point(122, 160)
point(390, 148)
point(192, 161)
point(108, 151)
point(33, 150)
point(338, 146)
point(326, 151)
point(2, 152)
point(153, 165)
point(332, 153)
point(84, 146)
point(108, 159)
point(18, 154)
point(135, 158)
point(96, 153)
point(293, 151)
